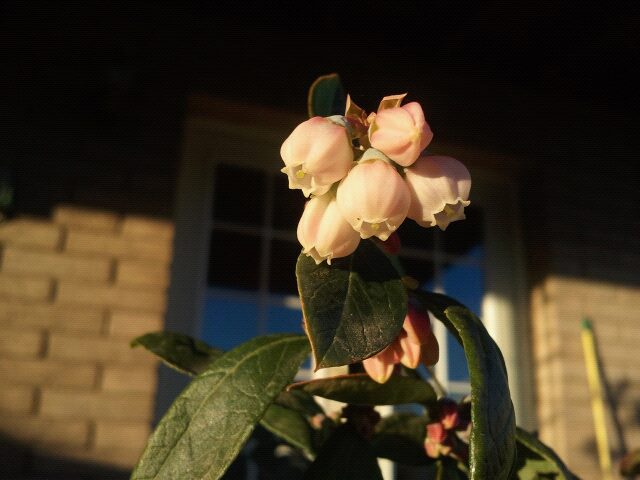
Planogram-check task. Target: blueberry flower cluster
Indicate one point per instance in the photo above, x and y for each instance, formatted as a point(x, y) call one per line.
point(364, 175)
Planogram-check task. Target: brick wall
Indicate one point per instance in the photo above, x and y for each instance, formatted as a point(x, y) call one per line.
point(74, 290)
point(585, 255)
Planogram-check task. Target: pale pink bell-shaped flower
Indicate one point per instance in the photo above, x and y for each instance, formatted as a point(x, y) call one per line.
point(373, 197)
point(322, 231)
point(381, 365)
point(317, 154)
point(439, 188)
point(401, 133)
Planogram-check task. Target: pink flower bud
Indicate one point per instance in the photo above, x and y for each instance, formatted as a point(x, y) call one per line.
point(448, 413)
point(380, 366)
point(439, 188)
point(436, 432)
point(418, 343)
point(317, 154)
point(323, 233)
point(373, 197)
point(401, 133)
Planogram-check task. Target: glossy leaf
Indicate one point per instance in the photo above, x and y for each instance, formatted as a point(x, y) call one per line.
point(299, 401)
point(290, 426)
point(191, 356)
point(209, 422)
point(352, 308)
point(400, 437)
point(180, 352)
point(326, 96)
point(536, 460)
point(345, 455)
point(492, 443)
point(360, 389)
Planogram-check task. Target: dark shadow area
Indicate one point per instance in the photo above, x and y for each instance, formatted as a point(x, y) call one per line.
point(21, 461)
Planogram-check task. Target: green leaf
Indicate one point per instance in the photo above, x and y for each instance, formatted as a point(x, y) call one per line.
point(191, 356)
point(179, 351)
point(492, 443)
point(536, 460)
point(448, 469)
point(212, 418)
point(352, 308)
point(289, 425)
point(326, 96)
point(299, 401)
point(360, 389)
point(345, 455)
point(400, 437)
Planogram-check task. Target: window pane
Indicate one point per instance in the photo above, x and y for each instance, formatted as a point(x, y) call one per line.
point(239, 195)
point(460, 237)
point(457, 362)
point(413, 235)
point(282, 319)
point(287, 204)
point(421, 270)
point(465, 283)
point(228, 321)
point(282, 275)
point(234, 260)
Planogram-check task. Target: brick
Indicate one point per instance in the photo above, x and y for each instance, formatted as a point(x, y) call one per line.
point(70, 293)
point(42, 431)
point(118, 379)
point(19, 343)
point(125, 323)
point(86, 218)
point(141, 273)
point(51, 316)
point(55, 264)
point(25, 288)
point(16, 399)
point(47, 372)
point(134, 226)
point(118, 246)
point(30, 233)
point(72, 347)
point(116, 434)
point(58, 403)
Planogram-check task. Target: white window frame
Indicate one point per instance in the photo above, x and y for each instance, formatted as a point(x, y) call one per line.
point(209, 139)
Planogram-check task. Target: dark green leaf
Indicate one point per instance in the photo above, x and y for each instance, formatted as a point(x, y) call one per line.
point(400, 437)
point(179, 351)
point(353, 308)
point(492, 443)
point(360, 389)
point(299, 401)
point(289, 425)
point(448, 469)
point(345, 455)
point(326, 96)
point(191, 356)
point(210, 421)
point(535, 460)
